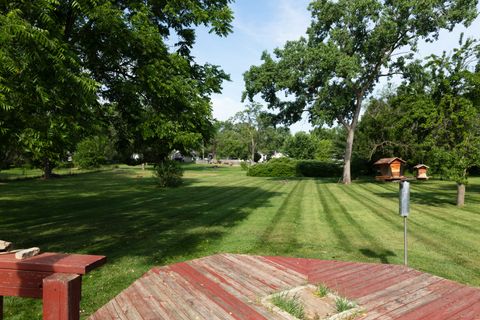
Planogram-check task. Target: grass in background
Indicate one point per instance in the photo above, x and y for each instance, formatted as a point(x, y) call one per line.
point(122, 214)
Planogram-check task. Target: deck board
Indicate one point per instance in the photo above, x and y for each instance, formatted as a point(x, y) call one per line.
point(231, 286)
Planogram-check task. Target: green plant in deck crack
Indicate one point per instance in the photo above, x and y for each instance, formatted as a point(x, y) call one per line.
point(291, 304)
point(343, 304)
point(321, 290)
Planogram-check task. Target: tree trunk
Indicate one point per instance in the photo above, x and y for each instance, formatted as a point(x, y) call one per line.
point(460, 194)
point(253, 151)
point(347, 178)
point(47, 169)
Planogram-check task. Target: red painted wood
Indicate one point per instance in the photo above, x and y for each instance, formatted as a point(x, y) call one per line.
point(232, 279)
point(337, 278)
point(61, 297)
point(350, 280)
point(237, 308)
point(380, 282)
point(22, 283)
point(439, 291)
point(241, 278)
point(229, 287)
point(455, 303)
point(407, 300)
point(233, 286)
point(469, 313)
point(387, 277)
point(297, 264)
point(53, 262)
point(261, 276)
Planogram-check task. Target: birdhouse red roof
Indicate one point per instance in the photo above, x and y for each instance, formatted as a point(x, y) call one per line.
point(387, 161)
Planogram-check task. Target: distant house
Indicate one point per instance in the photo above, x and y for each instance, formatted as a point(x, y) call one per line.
point(277, 155)
point(390, 169)
point(178, 156)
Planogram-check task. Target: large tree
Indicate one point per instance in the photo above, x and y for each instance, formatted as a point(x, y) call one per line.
point(65, 63)
point(351, 44)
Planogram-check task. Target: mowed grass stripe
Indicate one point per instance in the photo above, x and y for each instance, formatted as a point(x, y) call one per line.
point(244, 236)
point(165, 214)
point(424, 246)
point(364, 224)
point(427, 218)
point(312, 235)
point(435, 241)
point(137, 225)
point(280, 236)
point(431, 254)
point(391, 208)
point(335, 224)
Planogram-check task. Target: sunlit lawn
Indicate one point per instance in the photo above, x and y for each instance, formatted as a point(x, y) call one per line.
point(123, 215)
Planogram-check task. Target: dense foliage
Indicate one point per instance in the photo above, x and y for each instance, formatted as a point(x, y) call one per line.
point(318, 169)
point(94, 151)
point(247, 134)
point(287, 167)
point(282, 167)
point(436, 116)
point(67, 65)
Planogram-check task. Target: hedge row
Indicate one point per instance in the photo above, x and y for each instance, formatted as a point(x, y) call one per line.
point(285, 167)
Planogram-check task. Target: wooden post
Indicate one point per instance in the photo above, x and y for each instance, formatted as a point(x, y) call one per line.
point(61, 297)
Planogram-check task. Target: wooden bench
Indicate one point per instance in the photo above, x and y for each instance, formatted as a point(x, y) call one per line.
point(53, 277)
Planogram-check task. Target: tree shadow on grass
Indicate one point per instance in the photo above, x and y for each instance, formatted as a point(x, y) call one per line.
point(429, 198)
point(116, 216)
point(381, 255)
point(130, 220)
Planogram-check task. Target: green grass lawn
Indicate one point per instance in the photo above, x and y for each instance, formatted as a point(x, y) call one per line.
point(123, 215)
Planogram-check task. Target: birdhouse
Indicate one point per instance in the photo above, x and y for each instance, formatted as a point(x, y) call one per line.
point(421, 171)
point(390, 169)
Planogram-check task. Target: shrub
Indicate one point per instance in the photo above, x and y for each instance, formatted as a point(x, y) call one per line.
point(286, 167)
point(318, 169)
point(93, 152)
point(244, 165)
point(169, 174)
point(282, 167)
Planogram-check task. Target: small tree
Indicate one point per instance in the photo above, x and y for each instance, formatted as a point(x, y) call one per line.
point(92, 152)
point(448, 88)
point(251, 126)
point(301, 146)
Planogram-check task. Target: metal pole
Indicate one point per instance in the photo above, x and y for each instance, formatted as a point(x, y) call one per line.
point(405, 246)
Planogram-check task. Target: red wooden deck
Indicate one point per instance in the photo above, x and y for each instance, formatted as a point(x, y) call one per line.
point(229, 286)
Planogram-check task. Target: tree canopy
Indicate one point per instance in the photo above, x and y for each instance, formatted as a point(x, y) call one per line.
point(66, 64)
point(350, 45)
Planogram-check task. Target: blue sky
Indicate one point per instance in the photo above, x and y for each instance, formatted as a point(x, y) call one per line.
point(264, 25)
